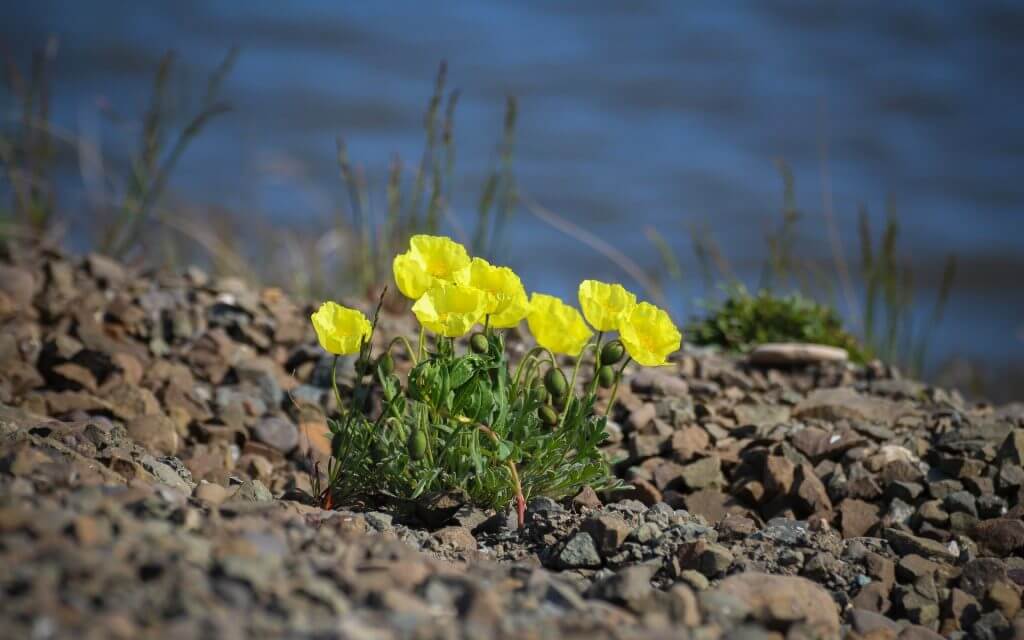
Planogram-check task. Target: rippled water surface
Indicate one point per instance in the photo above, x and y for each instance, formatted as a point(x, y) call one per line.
point(667, 114)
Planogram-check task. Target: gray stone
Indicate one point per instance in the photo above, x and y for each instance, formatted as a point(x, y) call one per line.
point(579, 552)
point(278, 433)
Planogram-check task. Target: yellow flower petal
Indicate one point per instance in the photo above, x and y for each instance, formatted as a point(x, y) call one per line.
point(649, 335)
point(507, 302)
point(429, 260)
point(605, 304)
point(557, 326)
point(449, 309)
point(339, 329)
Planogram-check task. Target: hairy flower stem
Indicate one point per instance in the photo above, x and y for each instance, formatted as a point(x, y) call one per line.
point(520, 500)
point(597, 362)
point(408, 348)
point(615, 387)
point(423, 338)
point(572, 384)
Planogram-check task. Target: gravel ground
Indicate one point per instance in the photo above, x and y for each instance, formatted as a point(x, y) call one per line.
point(156, 438)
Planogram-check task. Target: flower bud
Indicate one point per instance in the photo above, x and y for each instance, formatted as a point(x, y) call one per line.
point(605, 377)
point(547, 415)
point(612, 353)
point(478, 343)
point(554, 380)
point(386, 363)
point(540, 394)
point(417, 445)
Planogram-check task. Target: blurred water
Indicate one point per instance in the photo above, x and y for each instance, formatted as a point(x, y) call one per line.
point(664, 113)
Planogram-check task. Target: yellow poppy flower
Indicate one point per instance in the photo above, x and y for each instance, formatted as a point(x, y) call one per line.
point(605, 304)
point(649, 335)
point(430, 259)
point(556, 325)
point(507, 302)
point(339, 329)
point(449, 309)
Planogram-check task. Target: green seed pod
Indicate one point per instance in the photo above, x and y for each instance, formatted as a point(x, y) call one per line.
point(479, 343)
point(386, 363)
point(540, 394)
point(606, 377)
point(547, 415)
point(612, 353)
point(417, 445)
point(554, 380)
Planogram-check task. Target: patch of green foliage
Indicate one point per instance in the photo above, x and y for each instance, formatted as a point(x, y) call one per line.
point(743, 321)
point(464, 421)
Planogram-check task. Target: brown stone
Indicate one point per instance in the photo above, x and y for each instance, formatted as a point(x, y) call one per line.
point(809, 494)
point(783, 600)
point(607, 531)
point(778, 475)
point(689, 442)
point(156, 432)
point(999, 537)
point(857, 518)
point(458, 538)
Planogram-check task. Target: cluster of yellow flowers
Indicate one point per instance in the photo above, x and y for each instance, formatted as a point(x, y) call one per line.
point(453, 293)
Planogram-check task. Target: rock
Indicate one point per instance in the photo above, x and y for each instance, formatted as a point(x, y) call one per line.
point(999, 537)
point(809, 494)
point(779, 601)
point(707, 557)
point(689, 442)
point(607, 532)
point(857, 518)
point(1005, 597)
point(963, 608)
point(156, 432)
point(704, 473)
point(586, 499)
point(579, 552)
point(711, 504)
point(844, 403)
point(905, 543)
point(211, 493)
point(278, 433)
point(251, 491)
point(867, 623)
point(683, 607)
point(630, 587)
point(437, 509)
point(761, 415)
point(458, 538)
point(790, 353)
point(1012, 448)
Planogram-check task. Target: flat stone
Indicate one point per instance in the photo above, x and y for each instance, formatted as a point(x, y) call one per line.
point(790, 353)
point(844, 403)
point(783, 600)
point(905, 543)
point(278, 433)
point(761, 415)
